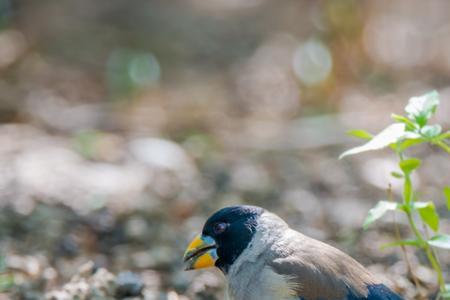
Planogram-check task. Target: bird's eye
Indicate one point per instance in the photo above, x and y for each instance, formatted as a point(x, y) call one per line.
point(220, 228)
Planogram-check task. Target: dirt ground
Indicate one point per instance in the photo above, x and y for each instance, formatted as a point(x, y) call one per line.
point(123, 125)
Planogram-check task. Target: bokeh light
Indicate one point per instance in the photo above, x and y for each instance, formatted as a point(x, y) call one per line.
point(396, 41)
point(12, 46)
point(312, 62)
point(264, 82)
point(124, 124)
point(128, 71)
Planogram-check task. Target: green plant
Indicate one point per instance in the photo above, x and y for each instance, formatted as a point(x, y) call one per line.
point(406, 132)
point(6, 279)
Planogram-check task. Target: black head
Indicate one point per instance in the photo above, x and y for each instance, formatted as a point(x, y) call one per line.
point(232, 228)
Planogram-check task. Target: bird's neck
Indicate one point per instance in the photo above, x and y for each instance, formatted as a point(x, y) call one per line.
point(268, 231)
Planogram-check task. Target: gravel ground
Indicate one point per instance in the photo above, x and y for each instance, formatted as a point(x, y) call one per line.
point(124, 125)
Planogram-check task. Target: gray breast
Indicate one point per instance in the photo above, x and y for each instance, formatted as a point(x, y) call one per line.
point(257, 282)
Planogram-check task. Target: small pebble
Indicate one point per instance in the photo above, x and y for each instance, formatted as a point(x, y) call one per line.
point(128, 284)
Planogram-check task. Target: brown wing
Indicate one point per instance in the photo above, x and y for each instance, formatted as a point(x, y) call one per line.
point(318, 270)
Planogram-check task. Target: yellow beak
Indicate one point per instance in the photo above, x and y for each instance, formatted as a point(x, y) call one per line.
point(201, 253)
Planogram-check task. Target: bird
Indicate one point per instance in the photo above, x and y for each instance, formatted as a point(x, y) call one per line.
point(262, 258)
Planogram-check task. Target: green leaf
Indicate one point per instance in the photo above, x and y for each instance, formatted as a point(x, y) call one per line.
point(409, 165)
point(446, 294)
point(447, 196)
point(428, 214)
point(397, 175)
point(6, 282)
point(420, 109)
point(378, 211)
point(411, 242)
point(2, 264)
point(431, 131)
point(409, 124)
point(389, 135)
point(85, 142)
point(360, 133)
point(409, 143)
point(440, 241)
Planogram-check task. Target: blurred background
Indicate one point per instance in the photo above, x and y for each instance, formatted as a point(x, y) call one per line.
point(124, 124)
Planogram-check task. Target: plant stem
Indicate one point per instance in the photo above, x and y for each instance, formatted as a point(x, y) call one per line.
point(405, 254)
point(437, 268)
point(444, 146)
point(407, 199)
point(430, 255)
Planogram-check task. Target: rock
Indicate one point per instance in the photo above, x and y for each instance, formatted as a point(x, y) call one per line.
point(129, 284)
point(86, 284)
